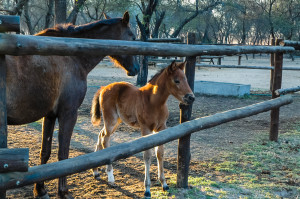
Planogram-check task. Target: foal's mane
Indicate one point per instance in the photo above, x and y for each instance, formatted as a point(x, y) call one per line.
point(67, 29)
point(154, 78)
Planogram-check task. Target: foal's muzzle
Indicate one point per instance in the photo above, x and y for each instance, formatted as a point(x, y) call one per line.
point(189, 98)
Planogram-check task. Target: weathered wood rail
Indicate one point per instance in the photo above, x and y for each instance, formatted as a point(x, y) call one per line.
point(9, 23)
point(245, 67)
point(287, 90)
point(295, 44)
point(124, 150)
point(31, 45)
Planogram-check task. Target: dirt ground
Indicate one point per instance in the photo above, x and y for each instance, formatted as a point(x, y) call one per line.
point(207, 144)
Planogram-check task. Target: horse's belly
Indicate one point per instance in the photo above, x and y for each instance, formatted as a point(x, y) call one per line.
point(26, 112)
point(33, 88)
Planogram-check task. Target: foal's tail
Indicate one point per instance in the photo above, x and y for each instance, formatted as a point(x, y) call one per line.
point(95, 111)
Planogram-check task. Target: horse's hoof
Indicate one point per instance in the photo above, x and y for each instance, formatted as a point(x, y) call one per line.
point(166, 188)
point(147, 194)
point(45, 196)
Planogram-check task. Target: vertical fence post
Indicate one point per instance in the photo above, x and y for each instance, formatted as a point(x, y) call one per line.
point(3, 114)
point(276, 84)
point(184, 155)
point(272, 64)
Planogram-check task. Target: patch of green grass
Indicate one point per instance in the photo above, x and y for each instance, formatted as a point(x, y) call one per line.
point(260, 169)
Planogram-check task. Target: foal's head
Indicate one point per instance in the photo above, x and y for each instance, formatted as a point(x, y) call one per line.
point(177, 83)
point(114, 29)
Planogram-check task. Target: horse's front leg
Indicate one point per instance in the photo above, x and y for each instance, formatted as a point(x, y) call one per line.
point(48, 127)
point(147, 161)
point(67, 122)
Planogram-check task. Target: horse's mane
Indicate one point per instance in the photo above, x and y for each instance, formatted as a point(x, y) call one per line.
point(153, 79)
point(67, 29)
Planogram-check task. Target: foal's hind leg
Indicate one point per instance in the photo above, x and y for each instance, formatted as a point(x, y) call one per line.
point(104, 142)
point(48, 127)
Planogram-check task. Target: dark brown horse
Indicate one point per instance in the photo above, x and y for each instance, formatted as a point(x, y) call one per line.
point(144, 108)
point(53, 87)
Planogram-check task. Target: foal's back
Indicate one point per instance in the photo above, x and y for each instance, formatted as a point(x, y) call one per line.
point(120, 100)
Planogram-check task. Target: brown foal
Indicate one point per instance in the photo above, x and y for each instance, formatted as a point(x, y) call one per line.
point(144, 108)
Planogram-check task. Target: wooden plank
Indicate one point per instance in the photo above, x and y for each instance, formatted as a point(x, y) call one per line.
point(287, 90)
point(245, 67)
point(9, 23)
point(165, 40)
point(27, 44)
point(124, 150)
point(184, 154)
point(295, 44)
point(14, 160)
point(277, 79)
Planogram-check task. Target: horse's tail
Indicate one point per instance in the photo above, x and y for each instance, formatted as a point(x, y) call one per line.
point(95, 111)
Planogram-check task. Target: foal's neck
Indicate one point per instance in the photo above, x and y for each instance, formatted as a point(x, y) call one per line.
point(159, 93)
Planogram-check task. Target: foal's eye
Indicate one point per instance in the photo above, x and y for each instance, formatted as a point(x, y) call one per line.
point(176, 81)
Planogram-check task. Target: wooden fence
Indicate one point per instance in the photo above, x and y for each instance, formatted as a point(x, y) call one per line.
point(124, 150)
point(31, 45)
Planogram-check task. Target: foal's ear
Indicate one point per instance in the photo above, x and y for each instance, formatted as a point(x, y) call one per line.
point(106, 16)
point(172, 67)
point(182, 65)
point(125, 19)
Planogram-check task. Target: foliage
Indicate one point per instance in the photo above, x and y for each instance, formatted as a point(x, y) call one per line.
point(215, 21)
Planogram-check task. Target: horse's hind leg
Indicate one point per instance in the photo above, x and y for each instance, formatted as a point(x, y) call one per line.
point(48, 127)
point(159, 150)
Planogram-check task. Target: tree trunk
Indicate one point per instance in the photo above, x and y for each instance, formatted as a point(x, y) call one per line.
point(73, 15)
point(60, 11)
point(49, 14)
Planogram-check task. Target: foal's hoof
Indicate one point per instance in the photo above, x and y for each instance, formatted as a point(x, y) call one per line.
point(97, 177)
point(166, 188)
point(147, 194)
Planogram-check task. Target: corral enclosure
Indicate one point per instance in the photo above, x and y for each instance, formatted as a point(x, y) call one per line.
point(204, 146)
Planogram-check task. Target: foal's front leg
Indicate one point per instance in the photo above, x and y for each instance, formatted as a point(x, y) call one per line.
point(147, 161)
point(159, 150)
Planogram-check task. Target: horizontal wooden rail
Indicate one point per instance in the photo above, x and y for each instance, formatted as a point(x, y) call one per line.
point(165, 40)
point(124, 150)
point(284, 91)
point(30, 45)
point(245, 67)
point(295, 44)
point(165, 60)
point(9, 23)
